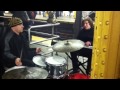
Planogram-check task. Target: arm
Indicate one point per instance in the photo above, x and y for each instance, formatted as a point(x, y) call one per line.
point(26, 43)
point(91, 37)
point(89, 42)
point(7, 52)
point(9, 56)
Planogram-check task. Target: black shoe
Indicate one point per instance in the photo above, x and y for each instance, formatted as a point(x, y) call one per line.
point(75, 71)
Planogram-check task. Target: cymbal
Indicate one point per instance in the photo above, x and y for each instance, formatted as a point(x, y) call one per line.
point(68, 45)
point(25, 73)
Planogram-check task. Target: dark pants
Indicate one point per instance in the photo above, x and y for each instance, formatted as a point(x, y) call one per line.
point(83, 52)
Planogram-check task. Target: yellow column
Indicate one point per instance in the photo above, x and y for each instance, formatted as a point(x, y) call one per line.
point(105, 59)
point(74, 14)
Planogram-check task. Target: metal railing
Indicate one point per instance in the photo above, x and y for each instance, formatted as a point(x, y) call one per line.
point(47, 34)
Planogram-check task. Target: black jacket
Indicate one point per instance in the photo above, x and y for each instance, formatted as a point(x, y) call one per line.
point(30, 14)
point(13, 46)
point(1, 14)
point(86, 35)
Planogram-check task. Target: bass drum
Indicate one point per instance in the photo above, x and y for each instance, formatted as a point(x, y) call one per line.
point(39, 61)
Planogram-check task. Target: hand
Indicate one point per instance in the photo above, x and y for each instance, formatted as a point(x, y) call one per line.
point(18, 62)
point(38, 50)
point(88, 43)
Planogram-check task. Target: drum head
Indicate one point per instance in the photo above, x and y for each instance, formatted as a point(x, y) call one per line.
point(56, 60)
point(39, 60)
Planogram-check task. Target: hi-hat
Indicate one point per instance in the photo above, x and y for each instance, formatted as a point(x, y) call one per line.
point(25, 73)
point(68, 45)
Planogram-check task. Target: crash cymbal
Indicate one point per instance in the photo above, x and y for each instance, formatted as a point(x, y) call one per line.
point(25, 73)
point(68, 45)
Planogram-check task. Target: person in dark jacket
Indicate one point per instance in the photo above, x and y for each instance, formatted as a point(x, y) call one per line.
point(85, 35)
point(1, 14)
point(24, 16)
point(2, 35)
point(17, 51)
point(31, 14)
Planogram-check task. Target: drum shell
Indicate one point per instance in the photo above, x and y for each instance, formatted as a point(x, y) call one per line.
point(56, 70)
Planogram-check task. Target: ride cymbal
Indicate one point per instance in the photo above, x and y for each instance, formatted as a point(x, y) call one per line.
point(68, 45)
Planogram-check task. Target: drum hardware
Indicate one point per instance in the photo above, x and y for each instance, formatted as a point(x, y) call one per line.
point(23, 72)
point(69, 45)
point(42, 26)
point(79, 64)
point(56, 66)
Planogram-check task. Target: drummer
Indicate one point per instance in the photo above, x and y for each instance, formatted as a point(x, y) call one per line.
point(86, 35)
point(17, 51)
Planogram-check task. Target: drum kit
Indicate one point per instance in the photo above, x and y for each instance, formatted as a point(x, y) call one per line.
point(52, 67)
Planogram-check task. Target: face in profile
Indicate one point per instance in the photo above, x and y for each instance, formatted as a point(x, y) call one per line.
point(19, 28)
point(86, 25)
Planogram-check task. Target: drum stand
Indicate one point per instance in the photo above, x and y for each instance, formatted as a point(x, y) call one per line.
point(66, 73)
point(81, 64)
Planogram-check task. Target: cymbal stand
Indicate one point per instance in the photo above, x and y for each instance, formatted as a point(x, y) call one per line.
point(66, 73)
point(80, 64)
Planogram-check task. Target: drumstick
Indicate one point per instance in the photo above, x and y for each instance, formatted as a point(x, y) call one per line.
point(21, 54)
point(43, 53)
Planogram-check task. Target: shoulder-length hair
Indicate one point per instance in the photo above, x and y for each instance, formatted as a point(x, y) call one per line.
point(90, 21)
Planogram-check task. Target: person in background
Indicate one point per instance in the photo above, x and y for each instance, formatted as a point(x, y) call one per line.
point(3, 32)
point(31, 14)
point(1, 14)
point(85, 35)
point(17, 51)
point(24, 16)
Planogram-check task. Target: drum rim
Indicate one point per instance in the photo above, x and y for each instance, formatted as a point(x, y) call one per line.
point(14, 68)
point(56, 64)
point(34, 61)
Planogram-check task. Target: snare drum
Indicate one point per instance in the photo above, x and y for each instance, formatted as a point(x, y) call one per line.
point(56, 66)
point(39, 61)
